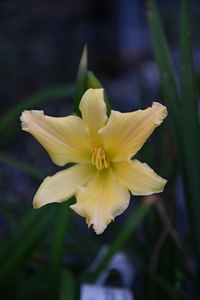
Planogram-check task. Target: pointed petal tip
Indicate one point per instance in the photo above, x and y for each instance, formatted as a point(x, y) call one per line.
point(91, 93)
point(98, 232)
point(98, 228)
point(27, 115)
point(23, 120)
point(163, 112)
point(36, 204)
point(93, 110)
point(139, 178)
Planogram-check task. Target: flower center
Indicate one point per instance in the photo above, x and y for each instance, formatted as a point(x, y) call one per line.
point(99, 159)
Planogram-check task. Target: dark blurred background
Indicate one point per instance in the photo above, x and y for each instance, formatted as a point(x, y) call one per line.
point(41, 43)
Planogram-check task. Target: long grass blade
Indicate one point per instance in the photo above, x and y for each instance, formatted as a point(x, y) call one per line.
point(68, 289)
point(25, 244)
point(80, 86)
point(61, 226)
point(22, 166)
point(121, 239)
point(32, 101)
point(190, 123)
point(162, 55)
point(183, 113)
point(170, 91)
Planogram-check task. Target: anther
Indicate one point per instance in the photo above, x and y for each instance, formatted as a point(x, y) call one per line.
point(99, 158)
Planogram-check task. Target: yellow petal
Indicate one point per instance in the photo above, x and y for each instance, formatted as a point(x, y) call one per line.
point(138, 178)
point(61, 186)
point(66, 139)
point(101, 200)
point(93, 110)
point(125, 133)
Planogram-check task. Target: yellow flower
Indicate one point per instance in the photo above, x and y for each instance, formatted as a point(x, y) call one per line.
point(102, 149)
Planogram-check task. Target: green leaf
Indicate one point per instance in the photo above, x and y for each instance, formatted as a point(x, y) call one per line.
point(163, 59)
point(183, 113)
point(80, 86)
point(166, 287)
point(27, 218)
point(68, 288)
point(25, 244)
point(9, 122)
point(33, 283)
point(170, 91)
point(190, 123)
point(22, 166)
point(61, 226)
point(32, 101)
point(122, 237)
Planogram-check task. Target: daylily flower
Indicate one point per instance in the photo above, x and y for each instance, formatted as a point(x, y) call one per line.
point(102, 149)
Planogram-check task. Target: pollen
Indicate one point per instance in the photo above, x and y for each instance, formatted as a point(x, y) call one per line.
point(99, 159)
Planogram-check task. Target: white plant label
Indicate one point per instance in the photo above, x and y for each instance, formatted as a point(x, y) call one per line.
point(93, 292)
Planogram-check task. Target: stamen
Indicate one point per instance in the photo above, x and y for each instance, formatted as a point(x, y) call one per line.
point(99, 159)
